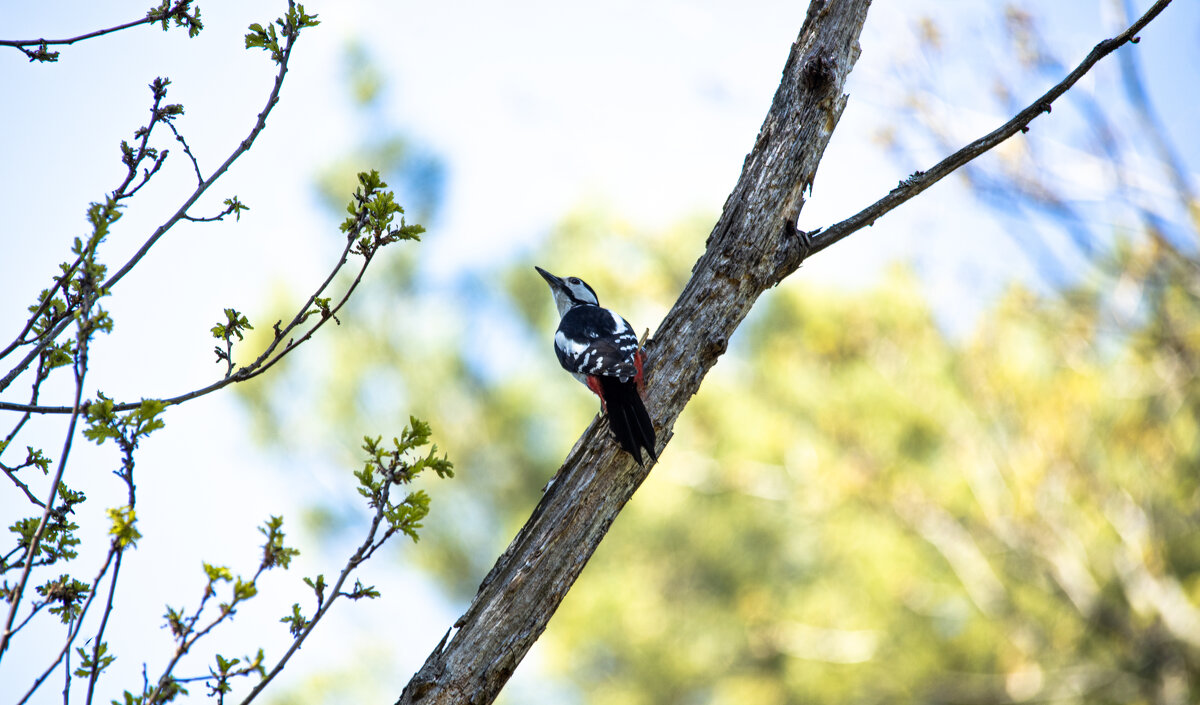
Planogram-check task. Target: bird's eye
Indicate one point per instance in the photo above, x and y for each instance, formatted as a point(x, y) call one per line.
point(574, 280)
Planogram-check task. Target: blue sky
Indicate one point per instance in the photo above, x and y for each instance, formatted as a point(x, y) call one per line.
point(535, 108)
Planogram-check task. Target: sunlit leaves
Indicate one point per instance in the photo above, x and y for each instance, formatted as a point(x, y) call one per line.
point(58, 537)
point(216, 573)
point(268, 39)
point(401, 465)
point(235, 324)
point(92, 664)
point(65, 596)
point(275, 553)
point(72, 299)
point(320, 307)
point(360, 591)
point(295, 621)
point(128, 428)
point(123, 528)
point(234, 206)
point(318, 587)
point(179, 12)
point(227, 668)
point(372, 211)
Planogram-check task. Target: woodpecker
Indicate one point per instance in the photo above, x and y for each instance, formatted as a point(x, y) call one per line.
point(600, 349)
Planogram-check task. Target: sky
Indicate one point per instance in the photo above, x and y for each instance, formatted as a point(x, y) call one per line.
point(535, 108)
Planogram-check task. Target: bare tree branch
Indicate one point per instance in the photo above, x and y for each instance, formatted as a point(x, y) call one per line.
point(753, 246)
point(178, 12)
point(922, 180)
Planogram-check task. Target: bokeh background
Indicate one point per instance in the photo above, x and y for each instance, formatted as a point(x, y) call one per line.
point(953, 459)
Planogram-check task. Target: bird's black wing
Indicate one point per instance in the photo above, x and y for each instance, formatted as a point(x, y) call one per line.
point(595, 341)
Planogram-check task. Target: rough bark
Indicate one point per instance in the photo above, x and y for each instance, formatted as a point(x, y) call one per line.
point(753, 246)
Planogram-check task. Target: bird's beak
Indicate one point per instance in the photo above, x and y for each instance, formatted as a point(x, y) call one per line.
point(554, 282)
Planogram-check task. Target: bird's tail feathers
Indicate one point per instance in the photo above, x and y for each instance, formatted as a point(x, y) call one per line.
point(628, 418)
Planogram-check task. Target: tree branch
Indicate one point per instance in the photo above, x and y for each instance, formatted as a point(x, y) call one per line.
point(165, 13)
point(18, 591)
point(267, 359)
point(922, 180)
point(753, 246)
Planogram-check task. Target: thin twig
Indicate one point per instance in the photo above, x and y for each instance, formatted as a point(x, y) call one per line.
point(98, 640)
point(162, 157)
point(242, 148)
point(64, 653)
point(265, 361)
point(188, 151)
point(66, 649)
point(12, 475)
point(32, 612)
point(174, 13)
point(59, 282)
point(42, 373)
point(186, 643)
point(18, 43)
point(363, 552)
point(128, 445)
point(17, 592)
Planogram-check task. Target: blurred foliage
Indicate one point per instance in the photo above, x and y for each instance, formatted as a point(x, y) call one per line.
point(854, 508)
point(418, 176)
point(1107, 162)
point(859, 510)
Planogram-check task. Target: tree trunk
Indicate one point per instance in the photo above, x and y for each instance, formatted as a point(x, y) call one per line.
point(753, 246)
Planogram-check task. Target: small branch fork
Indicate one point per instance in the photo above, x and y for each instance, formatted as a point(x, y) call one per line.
point(814, 241)
point(280, 345)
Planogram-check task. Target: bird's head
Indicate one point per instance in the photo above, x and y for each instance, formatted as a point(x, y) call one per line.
point(568, 292)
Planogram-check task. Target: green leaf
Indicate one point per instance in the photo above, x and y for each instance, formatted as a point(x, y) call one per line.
point(234, 206)
point(65, 595)
point(216, 574)
point(90, 664)
point(175, 622)
point(295, 621)
point(275, 553)
point(244, 589)
point(123, 529)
